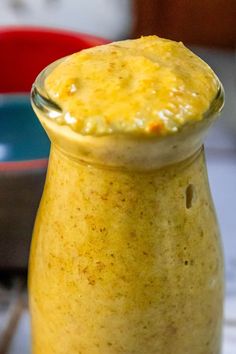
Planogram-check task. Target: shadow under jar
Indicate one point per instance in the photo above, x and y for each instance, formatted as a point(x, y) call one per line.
point(126, 254)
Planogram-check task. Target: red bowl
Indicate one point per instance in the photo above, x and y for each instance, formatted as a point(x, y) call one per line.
point(25, 51)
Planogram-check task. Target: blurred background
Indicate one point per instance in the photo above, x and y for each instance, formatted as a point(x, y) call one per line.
point(35, 32)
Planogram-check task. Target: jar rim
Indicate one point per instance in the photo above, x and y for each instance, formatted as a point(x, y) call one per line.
point(118, 149)
point(41, 100)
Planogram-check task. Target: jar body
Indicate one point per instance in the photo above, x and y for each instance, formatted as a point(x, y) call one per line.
point(126, 261)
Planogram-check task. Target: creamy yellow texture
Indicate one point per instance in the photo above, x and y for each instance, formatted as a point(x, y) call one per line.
point(147, 86)
point(126, 262)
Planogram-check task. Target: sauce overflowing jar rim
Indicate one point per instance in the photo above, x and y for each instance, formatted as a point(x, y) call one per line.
point(122, 150)
point(51, 110)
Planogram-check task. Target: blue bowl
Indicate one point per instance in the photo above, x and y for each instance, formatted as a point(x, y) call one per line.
point(22, 139)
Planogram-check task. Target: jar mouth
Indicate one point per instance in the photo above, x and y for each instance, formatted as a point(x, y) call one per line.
point(52, 110)
point(122, 150)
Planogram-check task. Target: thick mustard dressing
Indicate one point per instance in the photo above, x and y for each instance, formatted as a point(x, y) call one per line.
point(126, 254)
point(145, 86)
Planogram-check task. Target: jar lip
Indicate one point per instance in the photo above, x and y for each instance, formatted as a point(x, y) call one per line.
point(51, 110)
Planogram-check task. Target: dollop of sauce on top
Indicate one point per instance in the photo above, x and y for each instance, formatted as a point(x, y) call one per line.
point(147, 86)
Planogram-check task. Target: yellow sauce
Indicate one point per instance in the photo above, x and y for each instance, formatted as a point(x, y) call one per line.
point(144, 86)
point(126, 261)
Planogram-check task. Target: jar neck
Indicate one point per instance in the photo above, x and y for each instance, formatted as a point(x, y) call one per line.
point(178, 166)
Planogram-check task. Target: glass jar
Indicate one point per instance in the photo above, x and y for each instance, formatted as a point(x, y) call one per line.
point(126, 255)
